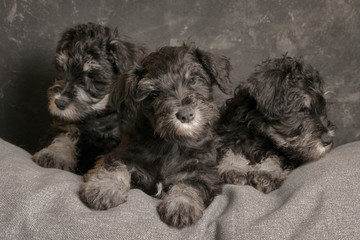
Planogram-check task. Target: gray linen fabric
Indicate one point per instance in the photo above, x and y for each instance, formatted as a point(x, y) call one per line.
point(320, 200)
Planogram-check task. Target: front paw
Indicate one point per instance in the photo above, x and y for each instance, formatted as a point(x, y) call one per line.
point(51, 159)
point(265, 181)
point(182, 207)
point(234, 177)
point(105, 189)
point(233, 168)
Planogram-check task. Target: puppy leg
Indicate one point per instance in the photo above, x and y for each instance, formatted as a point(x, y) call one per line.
point(61, 153)
point(190, 193)
point(104, 186)
point(233, 168)
point(268, 175)
point(182, 206)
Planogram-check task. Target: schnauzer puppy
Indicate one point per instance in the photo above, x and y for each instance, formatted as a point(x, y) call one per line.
point(89, 58)
point(168, 146)
point(275, 122)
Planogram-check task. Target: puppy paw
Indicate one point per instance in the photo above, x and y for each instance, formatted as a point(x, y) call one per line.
point(233, 168)
point(51, 159)
point(182, 207)
point(234, 177)
point(105, 189)
point(61, 154)
point(268, 175)
point(265, 181)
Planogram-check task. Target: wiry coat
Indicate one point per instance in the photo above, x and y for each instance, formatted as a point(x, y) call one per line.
point(89, 58)
point(168, 146)
point(275, 122)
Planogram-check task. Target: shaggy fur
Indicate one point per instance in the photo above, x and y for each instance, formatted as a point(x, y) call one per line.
point(275, 122)
point(168, 144)
point(89, 58)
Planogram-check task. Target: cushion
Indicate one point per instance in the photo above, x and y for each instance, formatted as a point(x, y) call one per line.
point(319, 200)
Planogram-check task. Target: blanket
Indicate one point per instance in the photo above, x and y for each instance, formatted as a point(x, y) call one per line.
point(320, 200)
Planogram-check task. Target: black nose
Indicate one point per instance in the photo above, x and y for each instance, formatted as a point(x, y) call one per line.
point(326, 139)
point(61, 104)
point(186, 115)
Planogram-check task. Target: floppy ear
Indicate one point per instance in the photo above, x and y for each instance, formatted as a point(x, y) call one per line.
point(116, 56)
point(217, 67)
point(122, 94)
point(123, 54)
point(269, 89)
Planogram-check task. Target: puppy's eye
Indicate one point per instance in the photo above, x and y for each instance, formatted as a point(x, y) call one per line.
point(192, 81)
point(305, 110)
point(56, 88)
point(90, 75)
point(154, 94)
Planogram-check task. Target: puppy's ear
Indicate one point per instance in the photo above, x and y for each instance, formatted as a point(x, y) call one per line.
point(123, 54)
point(217, 67)
point(117, 56)
point(123, 92)
point(269, 89)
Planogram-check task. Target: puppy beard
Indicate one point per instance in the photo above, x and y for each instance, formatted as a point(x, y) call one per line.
point(311, 147)
point(306, 146)
point(79, 107)
point(172, 129)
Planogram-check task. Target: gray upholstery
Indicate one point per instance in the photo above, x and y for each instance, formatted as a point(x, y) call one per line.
point(318, 201)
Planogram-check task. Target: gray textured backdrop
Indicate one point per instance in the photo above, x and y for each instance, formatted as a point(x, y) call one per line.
point(326, 33)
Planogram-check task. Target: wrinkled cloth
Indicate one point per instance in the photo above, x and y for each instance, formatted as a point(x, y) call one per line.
point(320, 200)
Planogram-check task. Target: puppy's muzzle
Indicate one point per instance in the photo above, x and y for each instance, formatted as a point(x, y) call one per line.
point(186, 115)
point(326, 139)
point(61, 104)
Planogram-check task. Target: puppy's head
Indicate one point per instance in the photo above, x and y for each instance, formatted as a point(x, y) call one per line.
point(290, 97)
point(172, 91)
point(89, 58)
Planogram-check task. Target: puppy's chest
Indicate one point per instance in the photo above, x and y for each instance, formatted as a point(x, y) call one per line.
point(184, 160)
point(101, 130)
point(171, 159)
point(165, 164)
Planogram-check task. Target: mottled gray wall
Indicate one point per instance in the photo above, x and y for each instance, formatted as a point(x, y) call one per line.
point(326, 33)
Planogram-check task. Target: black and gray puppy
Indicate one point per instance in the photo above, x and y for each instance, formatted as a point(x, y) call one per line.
point(89, 58)
point(275, 122)
point(168, 146)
